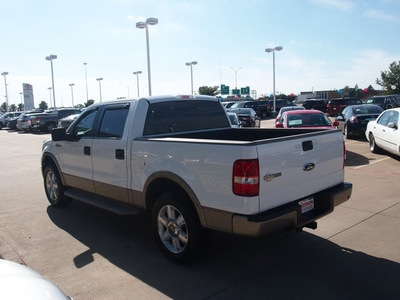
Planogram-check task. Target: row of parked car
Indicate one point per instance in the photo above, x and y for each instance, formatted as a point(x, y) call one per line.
point(39, 120)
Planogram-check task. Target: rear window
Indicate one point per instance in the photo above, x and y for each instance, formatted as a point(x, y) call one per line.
point(364, 110)
point(336, 102)
point(181, 116)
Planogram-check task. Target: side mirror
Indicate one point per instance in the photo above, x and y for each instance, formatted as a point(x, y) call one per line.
point(339, 118)
point(392, 125)
point(278, 125)
point(336, 123)
point(60, 134)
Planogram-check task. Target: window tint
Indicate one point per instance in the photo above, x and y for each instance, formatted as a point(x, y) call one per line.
point(113, 122)
point(394, 117)
point(181, 116)
point(84, 127)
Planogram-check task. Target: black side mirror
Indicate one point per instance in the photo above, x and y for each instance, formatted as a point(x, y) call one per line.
point(60, 134)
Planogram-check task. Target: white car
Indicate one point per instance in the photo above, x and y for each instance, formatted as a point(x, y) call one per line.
point(19, 282)
point(383, 133)
point(234, 120)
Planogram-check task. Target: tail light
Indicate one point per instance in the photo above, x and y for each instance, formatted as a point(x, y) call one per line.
point(344, 154)
point(353, 119)
point(246, 177)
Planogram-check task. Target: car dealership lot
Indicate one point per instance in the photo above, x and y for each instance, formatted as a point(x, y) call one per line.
point(93, 254)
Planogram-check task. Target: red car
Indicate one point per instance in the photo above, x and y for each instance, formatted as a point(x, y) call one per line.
point(304, 119)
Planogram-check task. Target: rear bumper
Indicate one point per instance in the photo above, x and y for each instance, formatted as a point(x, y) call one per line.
point(289, 216)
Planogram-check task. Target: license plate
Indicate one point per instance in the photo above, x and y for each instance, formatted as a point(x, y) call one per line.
point(334, 108)
point(307, 205)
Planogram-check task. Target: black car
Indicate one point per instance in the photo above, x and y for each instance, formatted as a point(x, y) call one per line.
point(247, 117)
point(319, 104)
point(354, 119)
point(260, 107)
point(385, 102)
point(279, 104)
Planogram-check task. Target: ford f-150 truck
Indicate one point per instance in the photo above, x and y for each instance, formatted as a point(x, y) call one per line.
point(179, 159)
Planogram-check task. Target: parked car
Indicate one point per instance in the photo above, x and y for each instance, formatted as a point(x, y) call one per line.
point(279, 104)
point(247, 117)
point(336, 106)
point(24, 120)
point(319, 104)
point(287, 108)
point(304, 119)
point(12, 123)
point(48, 121)
point(65, 122)
point(383, 133)
point(234, 120)
point(260, 107)
point(20, 282)
point(4, 118)
point(228, 104)
point(354, 119)
point(385, 102)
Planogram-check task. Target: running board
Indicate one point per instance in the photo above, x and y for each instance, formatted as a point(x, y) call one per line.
point(101, 202)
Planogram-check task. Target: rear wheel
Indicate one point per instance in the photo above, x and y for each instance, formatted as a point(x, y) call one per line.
point(176, 227)
point(50, 126)
point(372, 145)
point(54, 187)
point(346, 133)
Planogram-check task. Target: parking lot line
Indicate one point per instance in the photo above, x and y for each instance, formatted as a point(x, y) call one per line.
point(374, 162)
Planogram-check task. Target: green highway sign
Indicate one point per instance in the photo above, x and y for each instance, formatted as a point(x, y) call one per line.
point(245, 90)
point(224, 89)
point(235, 92)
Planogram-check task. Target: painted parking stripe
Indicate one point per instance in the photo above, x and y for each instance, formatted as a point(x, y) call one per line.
point(374, 162)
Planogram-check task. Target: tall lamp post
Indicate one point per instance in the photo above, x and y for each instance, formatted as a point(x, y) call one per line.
point(268, 50)
point(72, 92)
point(87, 93)
point(236, 71)
point(99, 80)
point(191, 71)
point(5, 82)
point(137, 78)
point(142, 25)
point(50, 88)
point(21, 100)
point(50, 58)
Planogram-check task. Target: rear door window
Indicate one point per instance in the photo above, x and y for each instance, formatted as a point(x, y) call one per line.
point(113, 121)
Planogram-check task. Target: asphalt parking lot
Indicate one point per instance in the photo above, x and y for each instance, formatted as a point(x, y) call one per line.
point(92, 254)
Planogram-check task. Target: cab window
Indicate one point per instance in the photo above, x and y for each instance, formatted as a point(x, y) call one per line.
point(113, 122)
point(85, 125)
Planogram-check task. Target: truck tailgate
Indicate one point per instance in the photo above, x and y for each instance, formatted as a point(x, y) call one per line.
point(295, 168)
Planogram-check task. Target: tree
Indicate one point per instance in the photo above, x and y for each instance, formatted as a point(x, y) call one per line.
point(89, 102)
point(390, 80)
point(21, 106)
point(3, 106)
point(13, 107)
point(208, 90)
point(43, 105)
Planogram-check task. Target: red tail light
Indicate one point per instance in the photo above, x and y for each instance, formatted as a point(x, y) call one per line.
point(246, 178)
point(353, 119)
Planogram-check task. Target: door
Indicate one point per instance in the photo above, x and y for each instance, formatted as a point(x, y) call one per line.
point(110, 170)
point(76, 155)
point(389, 132)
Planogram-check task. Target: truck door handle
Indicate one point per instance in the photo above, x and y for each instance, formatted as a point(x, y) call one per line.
point(86, 150)
point(120, 154)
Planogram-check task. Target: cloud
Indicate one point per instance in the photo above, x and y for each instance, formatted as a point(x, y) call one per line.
point(342, 5)
point(380, 15)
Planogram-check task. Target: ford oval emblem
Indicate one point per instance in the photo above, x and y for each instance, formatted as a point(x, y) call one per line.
point(308, 167)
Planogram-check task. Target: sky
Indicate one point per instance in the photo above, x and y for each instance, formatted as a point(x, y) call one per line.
point(327, 45)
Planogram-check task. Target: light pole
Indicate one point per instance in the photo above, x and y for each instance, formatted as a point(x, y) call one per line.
point(50, 88)
point(20, 94)
point(268, 50)
point(50, 58)
point(236, 71)
point(141, 25)
point(72, 92)
point(87, 93)
point(99, 80)
point(137, 78)
point(191, 71)
point(5, 82)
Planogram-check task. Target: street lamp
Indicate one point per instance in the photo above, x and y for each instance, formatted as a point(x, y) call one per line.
point(50, 58)
point(268, 50)
point(142, 25)
point(21, 99)
point(5, 82)
point(87, 93)
point(72, 93)
point(236, 71)
point(99, 80)
point(137, 78)
point(191, 71)
point(50, 93)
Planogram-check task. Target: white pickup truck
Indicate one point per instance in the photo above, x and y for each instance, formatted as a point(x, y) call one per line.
point(179, 159)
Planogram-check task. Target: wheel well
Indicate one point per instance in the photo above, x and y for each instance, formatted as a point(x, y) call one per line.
point(161, 186)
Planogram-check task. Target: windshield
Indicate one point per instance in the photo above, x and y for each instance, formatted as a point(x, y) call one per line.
point(237, 105)
point(364, 110)
point(308, 120)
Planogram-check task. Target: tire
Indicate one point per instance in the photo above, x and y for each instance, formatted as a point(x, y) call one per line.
point(54, 188)
point(176, 227)
point(50, 126)
point(1, 126)
point(372, 145)
point(346, 133)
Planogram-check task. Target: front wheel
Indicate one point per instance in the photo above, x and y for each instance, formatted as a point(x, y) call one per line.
point(372, 145)
point(54, 187)
point(176, 227)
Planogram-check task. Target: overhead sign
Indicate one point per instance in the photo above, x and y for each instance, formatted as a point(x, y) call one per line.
point(245, 90)
point(224, 89)
point(235, 92)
